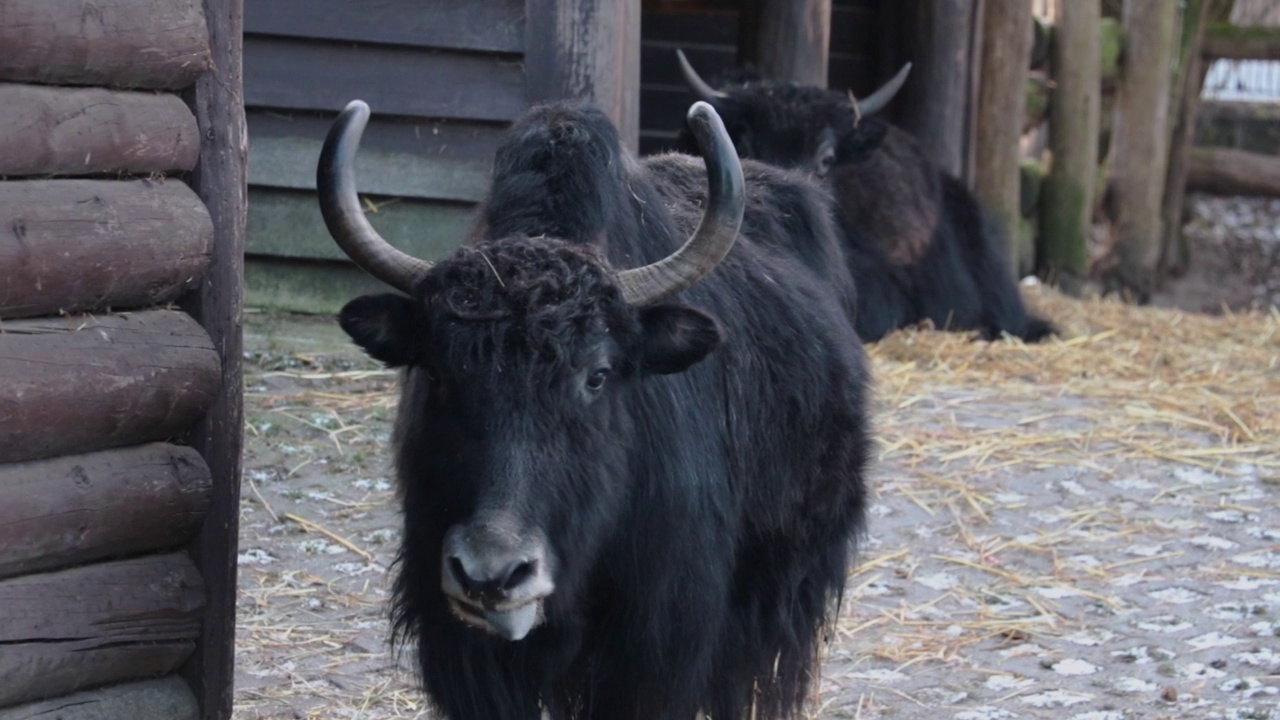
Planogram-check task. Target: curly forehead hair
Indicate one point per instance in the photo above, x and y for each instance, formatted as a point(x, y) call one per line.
point(548, 291)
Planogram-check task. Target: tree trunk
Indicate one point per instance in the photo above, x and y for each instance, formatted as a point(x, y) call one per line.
point(1002, 99)
point(786, 40)
point(1065, 210)
point(1139, 144)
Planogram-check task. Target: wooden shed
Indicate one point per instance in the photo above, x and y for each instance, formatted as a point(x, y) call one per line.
point(445, 77)
point(122, 202)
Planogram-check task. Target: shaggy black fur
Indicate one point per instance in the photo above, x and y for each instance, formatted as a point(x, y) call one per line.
point(917, 242)
point(701, 507)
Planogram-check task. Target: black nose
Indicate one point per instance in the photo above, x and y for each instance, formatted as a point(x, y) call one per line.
point(490, 576)
point(490, 565)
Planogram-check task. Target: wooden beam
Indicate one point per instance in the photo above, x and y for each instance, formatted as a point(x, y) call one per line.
point(787, 40)
point(164, 699)
point(73, 245)
point(1002, 99)
point(98, 624)
point(1223, 40)
point(1224, 171)
point(490, 26)
point(1139, 144)
point(84, 383)
point(1067, 201)
point(587, 50)
point(83, 508)
point(220, 181)
point(1188, 84)
point(935, 106)
point(65, 131)
point(151, 44)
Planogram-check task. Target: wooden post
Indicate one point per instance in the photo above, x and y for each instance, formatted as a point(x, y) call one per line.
point(1139, 143)
point(1066, 207)
point(587, 50)
point(1175, 254)
point(786, 40)
point(221, 182)
point(936, 105)
point(1002, 99)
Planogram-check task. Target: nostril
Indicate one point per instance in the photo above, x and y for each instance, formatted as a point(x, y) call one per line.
point(459, 572)
point(519, 574)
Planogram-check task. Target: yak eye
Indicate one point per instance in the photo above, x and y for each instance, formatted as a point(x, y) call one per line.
point(596, 379)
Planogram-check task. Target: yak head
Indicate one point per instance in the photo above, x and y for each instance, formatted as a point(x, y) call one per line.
point(795, 126)
point(522, 355)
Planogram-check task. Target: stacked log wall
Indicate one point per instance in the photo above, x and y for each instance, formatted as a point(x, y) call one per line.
point(108, 470)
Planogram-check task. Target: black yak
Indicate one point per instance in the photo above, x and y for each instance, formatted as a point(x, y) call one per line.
point(627, 494)
point(919, 245)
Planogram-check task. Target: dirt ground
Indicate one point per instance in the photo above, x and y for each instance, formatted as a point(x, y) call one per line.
point(1087, 529)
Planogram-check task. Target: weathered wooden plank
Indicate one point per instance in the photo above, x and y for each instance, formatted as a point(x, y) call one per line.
point(220, 180)
point(82, 508)
point(164, 699)
point(83, 383)
point(313, 75)
point(89, 244)
point(459, 140)
point(787, 39)
point(65, 131)
point(493, 25)
point(291, 163)
point(98, 624)
point(587, 50)
point(305, 287)
point(288, 224)
point(153, 44)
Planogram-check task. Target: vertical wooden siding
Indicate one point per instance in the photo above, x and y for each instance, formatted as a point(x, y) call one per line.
point(709, 38)
point(443, 78)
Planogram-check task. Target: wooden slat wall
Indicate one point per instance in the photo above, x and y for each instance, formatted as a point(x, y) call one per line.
point(443, 79)
point(710, 39)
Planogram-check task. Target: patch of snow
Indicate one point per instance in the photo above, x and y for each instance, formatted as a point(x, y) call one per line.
point(1074, 666)
point(1056, 698)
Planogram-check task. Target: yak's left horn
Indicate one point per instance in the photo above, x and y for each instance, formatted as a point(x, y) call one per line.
point(716, 233)
point(695, 82)
point(336, 183)
point(875, 102)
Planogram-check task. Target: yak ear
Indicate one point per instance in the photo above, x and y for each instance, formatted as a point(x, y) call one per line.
point(382, 325)
point(676, 337)
point(861, 141)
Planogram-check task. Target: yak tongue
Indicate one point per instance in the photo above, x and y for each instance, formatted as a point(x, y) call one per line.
point(515, 624)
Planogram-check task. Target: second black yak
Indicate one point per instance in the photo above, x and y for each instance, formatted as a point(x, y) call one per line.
point(919, 245)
